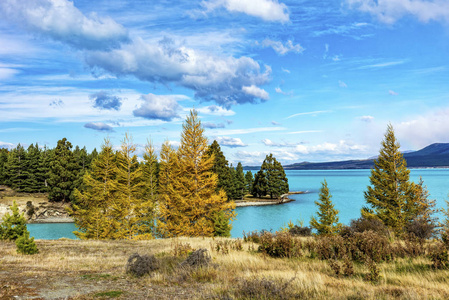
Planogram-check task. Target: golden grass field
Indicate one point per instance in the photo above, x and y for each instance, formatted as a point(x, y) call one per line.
point(76, 269)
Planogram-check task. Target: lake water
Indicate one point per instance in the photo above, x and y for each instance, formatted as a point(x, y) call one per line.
point(346, 187)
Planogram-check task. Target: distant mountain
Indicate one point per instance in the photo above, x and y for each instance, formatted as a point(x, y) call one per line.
point(432, 156)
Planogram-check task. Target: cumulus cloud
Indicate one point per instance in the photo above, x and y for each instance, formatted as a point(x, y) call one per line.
point(99, 126)
point(215, 110)
point(255, 92)
point(6, 145)
point(62, 21)
point(160, 107)
point(211, 125)
point(270, 143)
point(268, 10)
point(281, 48)
point(225, 80)
point(106, 46)
point(230, 142)
point(104, 100)
point(389, 11)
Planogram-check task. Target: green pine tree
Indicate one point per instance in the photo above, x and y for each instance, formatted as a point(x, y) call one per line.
point(15, 168)
point(31, 182)
point(260, 185)
point(249, 181)
point(221, 168)
point(277, 182)
point(327, 222)
point(392, 198)
point(239, 182)
point(13, 225)
point(3, 160)
point(26, 245)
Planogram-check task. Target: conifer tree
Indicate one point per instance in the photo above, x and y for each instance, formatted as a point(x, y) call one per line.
point(3, 160)
point(260, 185)
point(249, 181)
point(31, 182)
point(150, 172)
point(15, 168)
point(93, 211)
point(62, 173)
point(277, 182)
point(189, 208)
point(43, 168)
point(392, 198)
point(239, 182)
point(221, 168)
point(327, 222)
point(13, 225)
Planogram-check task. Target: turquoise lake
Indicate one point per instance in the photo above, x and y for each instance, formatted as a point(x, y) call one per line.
point(346, 187)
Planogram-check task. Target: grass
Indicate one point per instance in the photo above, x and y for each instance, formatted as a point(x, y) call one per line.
point(99, 268)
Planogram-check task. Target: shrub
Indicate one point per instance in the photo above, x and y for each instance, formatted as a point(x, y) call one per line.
point(421, 228)
point(26, 245)
point(335, 266)
point(370, 245)
point(182, 250)
point(280, 244)
point(30, 209)
point(439, 257)
point(263, 289)
point(374, 272)
point(330, 247)
point(140, 265)
point(363, 224)
point(198, 258)
point(252, 236)
point(13, 226)
point(300, 231)
point(348, 266)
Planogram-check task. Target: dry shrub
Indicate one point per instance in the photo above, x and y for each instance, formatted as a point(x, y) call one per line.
point(330, 247)
point(370, 245)
point(182, 250)
point(223, 247)
point(348, 266)
point(300, 231)
point(335, 266)
point(198, 258)
point(439, 257)
point(253, 236)
point(141, 265)
point(280, 244)
point(263, 288)
point(374, 272)
point(362, 224)
point(421, 228)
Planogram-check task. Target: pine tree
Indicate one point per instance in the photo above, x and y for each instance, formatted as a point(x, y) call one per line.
point(249, 181)
point(15, 168)
point(221, 168)
point(150, 173)
point(93, 212)
point(392, 198)
point(13, 225)
point(63, 173)
point(277, 182)
point(43, 168)
point(189, 209)
point(31, 183)
point(327, 223)
point(260, 185)
point(3, 161)
point(239, 182)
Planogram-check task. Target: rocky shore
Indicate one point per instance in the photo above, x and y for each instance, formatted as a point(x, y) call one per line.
point(263, 201)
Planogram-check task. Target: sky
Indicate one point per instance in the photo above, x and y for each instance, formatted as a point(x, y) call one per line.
point(306, 80)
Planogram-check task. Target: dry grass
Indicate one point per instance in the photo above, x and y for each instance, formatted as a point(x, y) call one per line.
point(84, 269)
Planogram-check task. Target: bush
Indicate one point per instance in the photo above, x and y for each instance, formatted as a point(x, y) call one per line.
point(26, 245)
point(198, 258)
point(374, 272)
point(362, 224)
point(300, 231)
point(370, 245)
point(439, 257)
point(263, 289)
point(280, 244)
point(182, 250)
point(330, 247)
point(140, 265)
point(421, 228)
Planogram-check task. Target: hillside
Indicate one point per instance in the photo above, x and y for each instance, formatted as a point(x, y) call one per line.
point(432, 156)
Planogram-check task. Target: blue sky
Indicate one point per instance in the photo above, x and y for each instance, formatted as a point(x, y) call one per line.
point(304, 80)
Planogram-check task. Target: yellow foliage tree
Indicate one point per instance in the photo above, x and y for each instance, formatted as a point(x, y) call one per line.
point(92, 209)
point(189, 202)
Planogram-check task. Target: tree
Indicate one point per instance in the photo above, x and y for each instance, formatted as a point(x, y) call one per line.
point(150, 170)
point(30, 172)
point(189, 201)
point(63, 172)
point(327, 223)
point(239, 182)
point(249, 181)
point(221, 168)
point(13, 225)
point(277, 182)
point(15, 168)
point(260, 185)
point(392, 198)
point(3, 161)
point(93, 212)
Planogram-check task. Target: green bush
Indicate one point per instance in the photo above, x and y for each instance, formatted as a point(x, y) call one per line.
point(26, 245)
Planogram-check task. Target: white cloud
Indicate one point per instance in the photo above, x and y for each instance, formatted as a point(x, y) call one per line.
point(6, 73)
point(161, 107)
point(211, 125)
point(342, 84)
point(392, 93)
point(256, 92)
point(282, 49)
point(62, 21)
point(304, 131)
point(99, 126)
point(247, 130)
point(429, 128)
point(313, 113)
point(286, 70)
point(215, 110)
point(6, 145)
point(389, 11)
point(382, 65)
point(268, 10)
point(230, 142)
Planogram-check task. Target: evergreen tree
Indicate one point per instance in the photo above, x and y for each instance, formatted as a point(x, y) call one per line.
point(327, 223)
point(239, 182)
point(94, 209)
point(260, 185)
point(232, 190)
point(249, 181)
point(392, 198)
point(13, 225)
point(63, 173)
point(189, 208)
point(277, 182)
point(30, 172)
point(43, 168)
point(15, 168)
point(221, 168)
point(3, 161)
point(150, 173)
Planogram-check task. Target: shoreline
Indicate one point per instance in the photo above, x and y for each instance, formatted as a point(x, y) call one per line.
point(263, 202)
